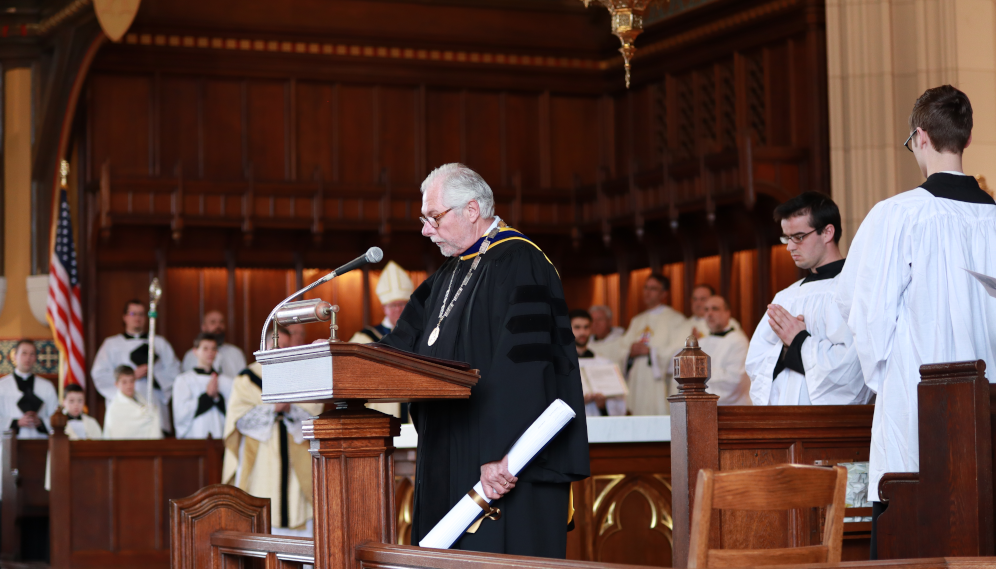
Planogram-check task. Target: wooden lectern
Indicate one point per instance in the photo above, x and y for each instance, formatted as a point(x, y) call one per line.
point(353, 474)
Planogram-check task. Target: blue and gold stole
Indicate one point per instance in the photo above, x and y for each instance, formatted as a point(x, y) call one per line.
point(505, 235)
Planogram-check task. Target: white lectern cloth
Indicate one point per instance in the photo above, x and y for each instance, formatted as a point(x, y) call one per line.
point(466, 511)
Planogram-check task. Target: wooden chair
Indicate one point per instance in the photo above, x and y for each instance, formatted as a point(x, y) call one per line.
point(783, 487)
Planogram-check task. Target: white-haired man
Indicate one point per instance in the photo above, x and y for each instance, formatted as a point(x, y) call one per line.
point(497, 304)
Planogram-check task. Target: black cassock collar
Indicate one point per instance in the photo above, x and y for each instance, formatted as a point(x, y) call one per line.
point(827, 271)
point(143, 336)
point(723, 333)
point(202, 371)
point(959, 188)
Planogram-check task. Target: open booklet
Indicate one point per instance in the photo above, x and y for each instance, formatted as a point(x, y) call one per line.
point(601, 376)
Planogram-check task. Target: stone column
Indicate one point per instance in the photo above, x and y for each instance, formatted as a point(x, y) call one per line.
point(16, 320)
point(881, 55)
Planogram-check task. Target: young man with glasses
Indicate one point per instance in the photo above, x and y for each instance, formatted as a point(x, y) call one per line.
point(131, 348)
point(906, 292)
point(802, 352)
point(496, 303)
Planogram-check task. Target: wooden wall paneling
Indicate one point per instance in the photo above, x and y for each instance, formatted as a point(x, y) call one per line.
point(545, 140)
point(398, 127)
point(267, 120)
point(743, 529)
point(356, 152)
point(742, 290)
point(579, 292)
point(779, 95)
point(574, 131)
point(443, 130)
point(316, 129)
point(783, 269)
point(676, 273)
point(96, 534)
point(184, 286)
point(122, 119)
point(222, 130)
point(483, 135)
point(523, 146)
point(263, 289)
point(178, 129)
point(707, 271)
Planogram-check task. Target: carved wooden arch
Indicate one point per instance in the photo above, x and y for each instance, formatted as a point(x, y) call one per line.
point(613, 491)
point(213, 508)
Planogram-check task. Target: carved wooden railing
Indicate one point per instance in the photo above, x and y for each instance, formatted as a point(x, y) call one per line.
point(230, 547)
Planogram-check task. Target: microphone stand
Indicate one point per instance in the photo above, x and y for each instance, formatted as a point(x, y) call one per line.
point(373, 255)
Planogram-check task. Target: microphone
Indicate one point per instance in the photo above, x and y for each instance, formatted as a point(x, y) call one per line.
point(373, 255)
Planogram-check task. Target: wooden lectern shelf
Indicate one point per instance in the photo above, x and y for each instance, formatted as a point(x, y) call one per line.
point(338, 371)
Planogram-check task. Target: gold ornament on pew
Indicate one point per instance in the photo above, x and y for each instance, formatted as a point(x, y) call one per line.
point(627, 23)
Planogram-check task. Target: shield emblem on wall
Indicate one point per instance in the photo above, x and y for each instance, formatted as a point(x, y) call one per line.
point(115, 16)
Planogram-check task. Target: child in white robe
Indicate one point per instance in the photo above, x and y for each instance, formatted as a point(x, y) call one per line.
point(80, 426)
point(128, 416)
point(199, 395)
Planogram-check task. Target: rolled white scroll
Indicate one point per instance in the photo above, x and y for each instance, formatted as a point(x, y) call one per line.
point(466, 511)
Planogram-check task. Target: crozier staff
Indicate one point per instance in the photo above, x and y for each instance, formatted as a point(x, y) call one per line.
point(498, 305)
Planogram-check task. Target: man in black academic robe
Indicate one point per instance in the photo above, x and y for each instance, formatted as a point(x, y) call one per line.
point(510, 322)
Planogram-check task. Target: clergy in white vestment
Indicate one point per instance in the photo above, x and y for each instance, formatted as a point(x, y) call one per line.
point(265, 451)
point(131, 348)
point(906, 292)
point(595, 404)
point(653, 337)
point(79, 425)
point(394, 288)
point(27, 402)
point(199, 395)
point(701, 293)
point(605, 339)
point(727, 346)
point(128, 416)
point(230, 361)
point(802, 352)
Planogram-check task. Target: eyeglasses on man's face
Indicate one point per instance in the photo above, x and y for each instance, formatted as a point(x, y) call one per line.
point(433, 220)
point(907, 143)
point(796, 238)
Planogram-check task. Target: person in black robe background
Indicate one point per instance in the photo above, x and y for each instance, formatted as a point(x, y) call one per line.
point(510, 322)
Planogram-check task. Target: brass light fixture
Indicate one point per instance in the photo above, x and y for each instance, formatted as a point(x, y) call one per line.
point(627, 23)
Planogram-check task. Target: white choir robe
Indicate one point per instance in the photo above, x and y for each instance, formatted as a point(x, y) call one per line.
point(828, 355)
point(908, 300)
point(253, 455)
point(116, 350)
point(611, 347)
point(702, 327)
point(230, 360)
point(10, 412)
point(729, 380)
point(83, 429)
point(649, 378)
point(128, 418)
point(190, 396)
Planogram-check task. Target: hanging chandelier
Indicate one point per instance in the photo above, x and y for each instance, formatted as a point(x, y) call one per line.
point(627, 23)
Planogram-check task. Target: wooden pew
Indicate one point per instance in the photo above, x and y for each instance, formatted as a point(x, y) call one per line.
point(947, 507)
point(109, 499)
point(25, 500)
point(705, 435)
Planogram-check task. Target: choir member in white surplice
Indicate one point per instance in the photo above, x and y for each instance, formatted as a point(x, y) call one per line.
point(653, 337)
point(605, 338)
point(127, 415)
point(700, 295)
point(27, 402)
point(802, 352)
point(199, 395)
point(595, 404)
point(265, 451)
point(230, 361)
point(906, 293)
point(79, 426)
point(727, 346)
point(132, 349)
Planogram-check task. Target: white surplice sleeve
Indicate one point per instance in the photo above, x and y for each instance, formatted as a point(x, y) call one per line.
point(184, 406)
point(102, 371)
point(870, 287)
point(833, 373)
point(762, 355)
point(167, 368)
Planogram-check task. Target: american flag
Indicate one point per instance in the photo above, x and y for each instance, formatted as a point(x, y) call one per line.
point(64, 309)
